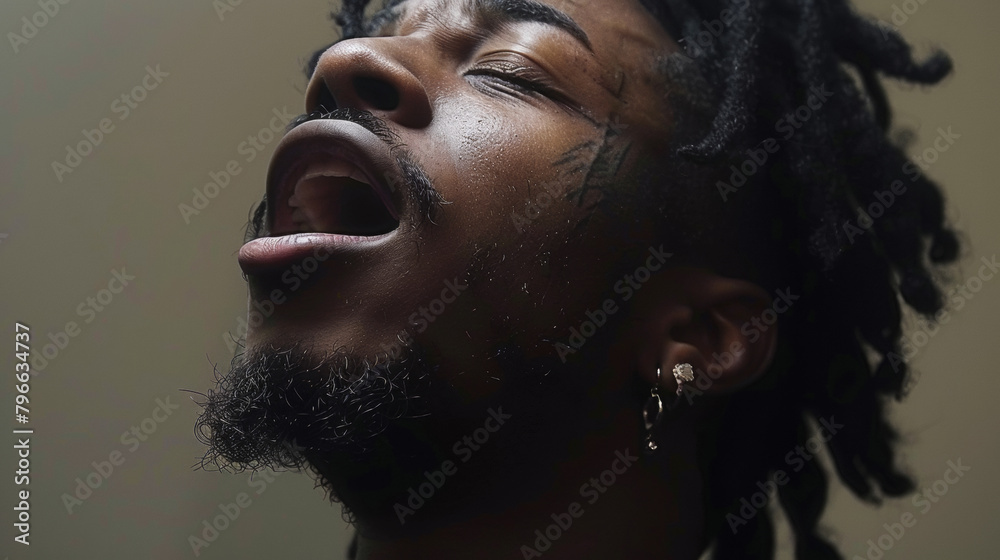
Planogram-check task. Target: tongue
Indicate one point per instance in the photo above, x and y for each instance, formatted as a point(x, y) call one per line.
point(342, 205)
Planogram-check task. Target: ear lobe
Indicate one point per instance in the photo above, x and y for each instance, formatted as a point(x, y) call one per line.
point(713, 323)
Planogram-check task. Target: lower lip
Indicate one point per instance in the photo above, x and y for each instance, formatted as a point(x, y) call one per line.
point(267, 253)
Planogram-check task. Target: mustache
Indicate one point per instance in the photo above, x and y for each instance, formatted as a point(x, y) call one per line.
point(416, 183)
point(367, 119)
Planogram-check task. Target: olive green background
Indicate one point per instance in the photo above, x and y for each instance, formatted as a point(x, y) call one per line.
point(60, 240)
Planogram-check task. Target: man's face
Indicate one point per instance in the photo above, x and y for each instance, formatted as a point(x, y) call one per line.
point(531, 129)
point(485, 199)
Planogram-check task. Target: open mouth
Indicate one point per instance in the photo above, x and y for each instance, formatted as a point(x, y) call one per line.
point(333, 195)
point(326, 177)
point(328, 192)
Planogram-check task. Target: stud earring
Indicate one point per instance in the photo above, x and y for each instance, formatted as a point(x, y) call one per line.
point(683, 373)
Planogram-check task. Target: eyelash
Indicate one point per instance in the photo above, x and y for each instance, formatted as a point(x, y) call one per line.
point(519, 78)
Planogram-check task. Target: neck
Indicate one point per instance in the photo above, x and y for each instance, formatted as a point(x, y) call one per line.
point(607, 501)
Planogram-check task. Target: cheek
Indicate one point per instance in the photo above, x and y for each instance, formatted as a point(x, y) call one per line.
point(507, 170)
point(471, 136)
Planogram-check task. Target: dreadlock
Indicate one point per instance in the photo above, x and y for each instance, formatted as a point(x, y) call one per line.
point(839, 356)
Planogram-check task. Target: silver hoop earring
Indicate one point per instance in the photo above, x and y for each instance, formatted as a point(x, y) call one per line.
point(652, 413)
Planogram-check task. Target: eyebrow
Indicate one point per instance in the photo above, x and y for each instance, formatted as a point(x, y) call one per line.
point(493, 12)
point(509, 11)
point(498, 12)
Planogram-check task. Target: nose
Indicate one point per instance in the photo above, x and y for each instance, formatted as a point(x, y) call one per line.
point(369, 74)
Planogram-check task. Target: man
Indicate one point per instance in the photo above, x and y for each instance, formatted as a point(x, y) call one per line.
point(506, 231)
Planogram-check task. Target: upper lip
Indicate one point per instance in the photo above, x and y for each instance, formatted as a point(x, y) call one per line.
point(333, 140)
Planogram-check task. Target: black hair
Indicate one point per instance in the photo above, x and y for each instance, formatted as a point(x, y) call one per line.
point(839, 359)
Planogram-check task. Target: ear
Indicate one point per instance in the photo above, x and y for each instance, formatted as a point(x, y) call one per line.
point(725, 328)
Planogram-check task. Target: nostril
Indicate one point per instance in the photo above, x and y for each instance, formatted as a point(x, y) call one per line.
point(381, 95)
point(325, 102)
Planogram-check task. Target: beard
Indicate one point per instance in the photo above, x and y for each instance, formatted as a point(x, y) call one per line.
point(370, 432)
point(278, 409)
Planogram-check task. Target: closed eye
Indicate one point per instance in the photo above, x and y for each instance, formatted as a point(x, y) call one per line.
point(522, 79)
